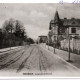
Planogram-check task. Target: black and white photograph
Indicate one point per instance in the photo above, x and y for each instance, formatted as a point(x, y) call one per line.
point(39, 39)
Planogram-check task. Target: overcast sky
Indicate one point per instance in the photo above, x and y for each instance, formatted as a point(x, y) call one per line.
point(36, 17)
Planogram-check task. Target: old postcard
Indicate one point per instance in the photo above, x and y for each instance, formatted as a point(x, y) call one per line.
point(39, 39)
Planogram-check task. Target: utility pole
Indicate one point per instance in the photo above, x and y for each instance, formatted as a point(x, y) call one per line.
point(54, 48)
point(10, 33)
point(69, 60)
point(69, 50)
point(48, 41)
point(54, 44)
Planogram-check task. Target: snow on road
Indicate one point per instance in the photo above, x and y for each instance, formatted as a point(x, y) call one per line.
point(35, 59)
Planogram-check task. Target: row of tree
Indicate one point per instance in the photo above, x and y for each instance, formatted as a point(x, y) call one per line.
point(12, 33)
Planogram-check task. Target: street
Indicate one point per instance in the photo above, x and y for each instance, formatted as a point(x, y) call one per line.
point(35, 58)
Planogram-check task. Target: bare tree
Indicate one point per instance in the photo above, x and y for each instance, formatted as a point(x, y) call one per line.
point(19, 29)
point(9, 26)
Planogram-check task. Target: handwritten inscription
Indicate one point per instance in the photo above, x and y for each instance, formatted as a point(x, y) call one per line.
point(74, 1)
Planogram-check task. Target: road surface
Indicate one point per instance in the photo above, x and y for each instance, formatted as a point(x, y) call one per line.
point(35, 59)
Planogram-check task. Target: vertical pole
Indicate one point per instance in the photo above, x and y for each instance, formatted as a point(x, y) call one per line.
point(10, 43)
point(54, 44)
point(69, 60)
point(54, 48)
point(45, 45)
point(48, 43)
point(69, 49)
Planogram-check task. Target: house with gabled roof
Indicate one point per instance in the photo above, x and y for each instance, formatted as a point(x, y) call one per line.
point(64, 27)
point(60, 30)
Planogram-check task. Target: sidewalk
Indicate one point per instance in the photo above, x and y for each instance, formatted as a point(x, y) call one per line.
point(64, 54)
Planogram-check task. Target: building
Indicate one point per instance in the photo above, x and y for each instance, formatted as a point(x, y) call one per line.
point(42, 39)
point(62, 28)
point(1, 38)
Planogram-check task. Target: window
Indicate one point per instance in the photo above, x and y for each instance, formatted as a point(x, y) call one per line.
point(73, 22)
point(54, 38)
point(73, 30)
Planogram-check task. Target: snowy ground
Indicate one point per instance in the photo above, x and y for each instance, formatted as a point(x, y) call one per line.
point(35, 60)
point(7, 49)
point(75, 58)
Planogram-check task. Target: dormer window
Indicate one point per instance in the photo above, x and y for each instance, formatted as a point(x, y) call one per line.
point(73, 22)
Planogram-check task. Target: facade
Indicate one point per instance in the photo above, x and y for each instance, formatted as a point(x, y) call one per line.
point(42, 39)
point(63, 28)
point(1, 38)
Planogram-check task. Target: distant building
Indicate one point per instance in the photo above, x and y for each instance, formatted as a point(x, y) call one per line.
point(1, 38)
point(62, 27)
point(42, 39)
point(0, 33)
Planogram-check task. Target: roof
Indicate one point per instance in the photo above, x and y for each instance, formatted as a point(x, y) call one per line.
point(71, 22)
point(52, 21)
point(56, 17)
point(43, 36)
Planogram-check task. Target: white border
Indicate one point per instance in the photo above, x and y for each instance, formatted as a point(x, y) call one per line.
point(40, 78)
point(37, 1)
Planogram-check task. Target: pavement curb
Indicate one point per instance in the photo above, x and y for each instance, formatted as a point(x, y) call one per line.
point(62, 59)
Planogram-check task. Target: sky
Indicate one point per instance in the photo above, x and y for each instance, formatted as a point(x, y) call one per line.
point(36, 16)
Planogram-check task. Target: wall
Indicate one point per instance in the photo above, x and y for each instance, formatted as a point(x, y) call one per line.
point(74, 45)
